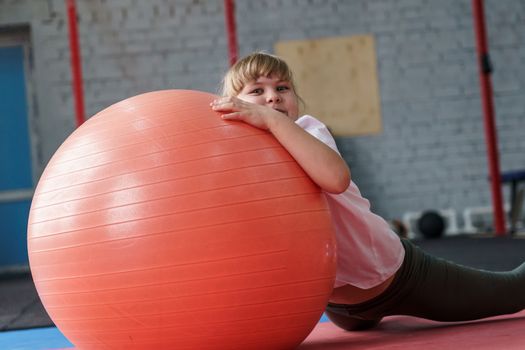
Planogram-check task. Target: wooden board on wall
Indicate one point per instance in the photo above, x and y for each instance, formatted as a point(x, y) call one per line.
point(337, 79)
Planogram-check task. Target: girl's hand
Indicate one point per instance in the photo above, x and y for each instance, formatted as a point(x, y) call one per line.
point(256, 115)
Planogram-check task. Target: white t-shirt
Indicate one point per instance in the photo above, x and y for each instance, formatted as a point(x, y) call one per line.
point(368, 251)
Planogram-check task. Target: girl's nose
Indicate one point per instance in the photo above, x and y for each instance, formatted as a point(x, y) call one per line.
point(273, 97)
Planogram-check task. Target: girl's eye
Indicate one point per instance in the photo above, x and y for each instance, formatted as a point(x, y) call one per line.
point(257, 91)
point(283, 88)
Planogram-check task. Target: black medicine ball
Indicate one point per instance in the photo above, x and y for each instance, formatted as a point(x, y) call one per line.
point(431, 224)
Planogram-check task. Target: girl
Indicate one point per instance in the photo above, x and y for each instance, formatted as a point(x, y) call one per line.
point(378, 274)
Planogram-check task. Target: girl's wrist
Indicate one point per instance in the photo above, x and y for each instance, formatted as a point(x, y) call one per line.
point(276, 120)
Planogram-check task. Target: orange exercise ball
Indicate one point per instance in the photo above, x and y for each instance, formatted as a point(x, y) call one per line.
point(158, 225)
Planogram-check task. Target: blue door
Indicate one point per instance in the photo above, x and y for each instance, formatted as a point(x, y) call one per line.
point(16, 180)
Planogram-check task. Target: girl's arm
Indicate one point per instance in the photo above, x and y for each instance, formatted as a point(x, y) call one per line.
point(322, 164)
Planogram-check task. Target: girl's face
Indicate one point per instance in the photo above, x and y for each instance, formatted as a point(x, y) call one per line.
point(272, 92)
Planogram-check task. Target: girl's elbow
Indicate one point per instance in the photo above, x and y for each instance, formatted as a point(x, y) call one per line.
point(343, 182)
point(340, 183)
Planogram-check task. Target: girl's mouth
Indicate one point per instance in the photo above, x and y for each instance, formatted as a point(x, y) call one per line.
point(282, 111)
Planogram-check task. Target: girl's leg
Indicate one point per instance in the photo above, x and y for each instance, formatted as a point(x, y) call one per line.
point(436, 289)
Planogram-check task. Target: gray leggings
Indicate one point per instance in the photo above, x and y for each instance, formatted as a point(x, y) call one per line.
point(436, 289)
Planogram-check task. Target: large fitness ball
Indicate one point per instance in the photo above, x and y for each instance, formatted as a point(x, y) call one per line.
point(158, 225)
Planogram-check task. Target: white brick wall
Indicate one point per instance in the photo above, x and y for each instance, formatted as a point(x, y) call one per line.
point(431, 153)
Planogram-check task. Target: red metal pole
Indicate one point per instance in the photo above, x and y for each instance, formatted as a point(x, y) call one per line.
point(231, 30)
point(76, 67)
point(485, 70)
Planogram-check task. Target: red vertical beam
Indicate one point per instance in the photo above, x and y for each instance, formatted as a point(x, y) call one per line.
point(76, 67)
point(231, 30)
point(485, 70)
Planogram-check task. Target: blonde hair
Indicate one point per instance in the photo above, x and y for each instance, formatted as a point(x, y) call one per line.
point(253, 66)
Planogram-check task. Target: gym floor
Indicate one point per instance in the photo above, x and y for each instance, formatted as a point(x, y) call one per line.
point(26, 326)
